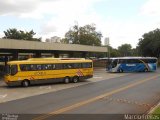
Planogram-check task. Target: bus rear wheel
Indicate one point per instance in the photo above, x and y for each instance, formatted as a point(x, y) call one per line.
point(75, 79)
point(66, 80)
point(145, 70)
point(25, 83)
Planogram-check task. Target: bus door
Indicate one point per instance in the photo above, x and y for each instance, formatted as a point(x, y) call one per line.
point(113, 65)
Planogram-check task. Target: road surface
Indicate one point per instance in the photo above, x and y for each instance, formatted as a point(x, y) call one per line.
point(134, 93)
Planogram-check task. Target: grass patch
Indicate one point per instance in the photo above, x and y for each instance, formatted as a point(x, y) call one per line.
point(155, 115)
point(157, 111)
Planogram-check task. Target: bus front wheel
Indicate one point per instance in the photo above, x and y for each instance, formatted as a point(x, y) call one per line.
point(66, 80)
point(25, 83)
point(120, 71)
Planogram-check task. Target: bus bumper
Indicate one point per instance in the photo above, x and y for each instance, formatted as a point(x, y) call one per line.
point(14, 83)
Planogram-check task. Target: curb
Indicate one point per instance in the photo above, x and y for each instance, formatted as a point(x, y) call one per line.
point(154, 108)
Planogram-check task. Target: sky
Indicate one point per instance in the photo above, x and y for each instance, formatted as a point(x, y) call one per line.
point(123, 21)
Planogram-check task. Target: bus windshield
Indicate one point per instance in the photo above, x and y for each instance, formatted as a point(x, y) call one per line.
point(12, 69)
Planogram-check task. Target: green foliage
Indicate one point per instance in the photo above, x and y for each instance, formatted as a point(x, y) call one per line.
point(125, 50)
point(157, 111)
point(114, 52)
point(64, 40)
point(86, 35)
point(149, 44)
point(20, 35)
point(135, 52)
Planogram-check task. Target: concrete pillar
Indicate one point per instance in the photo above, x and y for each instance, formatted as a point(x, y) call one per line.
point(71, 55)
point(6, 60)
point(84, 54)
point(56, 54)
point(38, 55)
point(15, 56)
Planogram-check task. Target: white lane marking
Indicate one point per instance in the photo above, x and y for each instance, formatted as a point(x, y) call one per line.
point(3, 96)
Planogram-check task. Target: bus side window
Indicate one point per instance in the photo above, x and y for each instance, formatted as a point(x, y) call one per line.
point(68, 66)
point(152, 60)
point(23, 67)
point(44, 67)
point(39, 67)
point(53, 67)
point(145, 60)
point(89, 65)
point(14, 69)
point(33, 67)
point(138, 61)
point(121, 61)
point(49, 67)
point(58, 66)
point(86, 65)
point(131, 61)
point(77, 65)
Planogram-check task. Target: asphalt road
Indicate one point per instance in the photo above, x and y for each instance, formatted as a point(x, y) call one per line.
point(134, 93)
point(14, 93)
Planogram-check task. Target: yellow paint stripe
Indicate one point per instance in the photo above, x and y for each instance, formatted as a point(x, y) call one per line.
point(93, 99)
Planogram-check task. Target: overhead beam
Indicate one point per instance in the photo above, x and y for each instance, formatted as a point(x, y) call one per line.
point(34, 45)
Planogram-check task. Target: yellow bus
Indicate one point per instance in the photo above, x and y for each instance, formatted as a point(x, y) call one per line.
point(47, 70)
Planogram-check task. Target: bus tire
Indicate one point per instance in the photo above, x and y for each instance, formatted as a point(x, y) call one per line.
point(25, 83)
point(145, 70)
point(75, 79)
point(120, 71)
point(66, 80)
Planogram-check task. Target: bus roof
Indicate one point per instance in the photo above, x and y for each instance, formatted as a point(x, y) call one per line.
point(51, 59)
point(134, 58)
point(46, 61)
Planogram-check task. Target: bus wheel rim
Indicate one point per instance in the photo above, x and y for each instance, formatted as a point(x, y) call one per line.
point(75, 79)
point(145, 70)
point(25, 83)
point(66, 80)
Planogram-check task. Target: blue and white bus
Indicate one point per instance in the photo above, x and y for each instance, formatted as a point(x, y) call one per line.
point(132, 64)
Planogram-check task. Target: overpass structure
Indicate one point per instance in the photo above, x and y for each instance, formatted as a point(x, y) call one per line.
point(16, 48)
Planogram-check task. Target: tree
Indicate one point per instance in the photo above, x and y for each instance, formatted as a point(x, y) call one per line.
point(149, 44)
point(114, 53)
point(86, 35)
point(125, 50)
point(20, 35)
point(135, 52)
